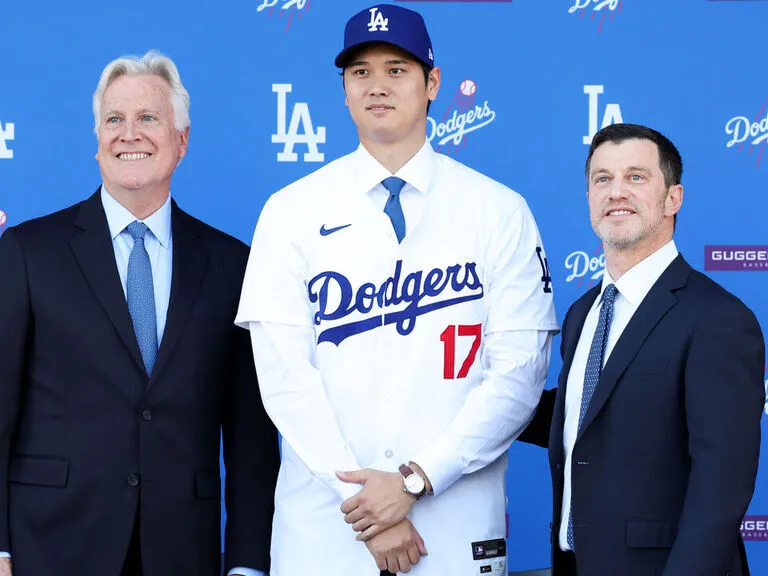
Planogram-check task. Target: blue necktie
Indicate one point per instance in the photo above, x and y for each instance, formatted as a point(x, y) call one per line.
point(141, 296)
point(594, 368)
point(393, 209)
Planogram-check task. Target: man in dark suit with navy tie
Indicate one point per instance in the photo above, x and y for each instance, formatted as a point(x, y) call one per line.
point(122, 369)
point(654, 428)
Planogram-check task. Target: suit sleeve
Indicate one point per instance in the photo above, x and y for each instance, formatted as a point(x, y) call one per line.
point(724, 400)
point(14, 337)
point(538, 431)
point(251, 458)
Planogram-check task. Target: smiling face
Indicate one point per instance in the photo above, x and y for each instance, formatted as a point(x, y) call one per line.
point(139, 147)
point(630, 205)
point(387, 95)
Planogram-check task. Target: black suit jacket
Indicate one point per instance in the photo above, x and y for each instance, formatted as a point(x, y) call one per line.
point(87, 440)
point(664, 465)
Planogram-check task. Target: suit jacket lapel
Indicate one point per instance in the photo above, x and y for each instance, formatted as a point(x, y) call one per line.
point(652, 309)
point(93, 250)
point(190, 262)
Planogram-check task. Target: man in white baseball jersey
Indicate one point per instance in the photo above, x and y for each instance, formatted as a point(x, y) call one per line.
point(400, 309)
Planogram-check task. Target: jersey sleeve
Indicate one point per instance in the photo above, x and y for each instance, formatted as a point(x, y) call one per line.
point(273, 288)
point(519, 282)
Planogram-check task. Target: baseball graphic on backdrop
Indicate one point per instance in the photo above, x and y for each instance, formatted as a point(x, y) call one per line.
point(468, 87)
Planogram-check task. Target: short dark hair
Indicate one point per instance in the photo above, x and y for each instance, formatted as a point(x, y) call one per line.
point(670, 162)
point(353, 54)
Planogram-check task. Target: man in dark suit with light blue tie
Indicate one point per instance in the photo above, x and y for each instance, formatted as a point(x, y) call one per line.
point(654, 428)
point(122, 369)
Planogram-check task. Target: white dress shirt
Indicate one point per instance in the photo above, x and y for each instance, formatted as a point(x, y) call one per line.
point(632, 288)
point(378, 397)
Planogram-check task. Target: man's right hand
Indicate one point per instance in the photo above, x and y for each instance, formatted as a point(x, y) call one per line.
point(5, 567)
point(395, 549)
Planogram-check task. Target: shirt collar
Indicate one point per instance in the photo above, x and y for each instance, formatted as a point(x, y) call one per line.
point(417, 171)
point(118, 217)
point(636, 282)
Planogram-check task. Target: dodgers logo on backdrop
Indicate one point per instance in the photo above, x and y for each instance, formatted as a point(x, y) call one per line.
point(581, 265)
point(464, 116)
point(602, 7)
point(440, 287)
point(289, 7)
point(752, 133)
point(300, 130)
point(3, 220)
point(7, 133)
point(611, 114)
point(736, 258)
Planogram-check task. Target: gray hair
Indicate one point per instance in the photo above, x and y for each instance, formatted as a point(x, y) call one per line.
point(152, 63)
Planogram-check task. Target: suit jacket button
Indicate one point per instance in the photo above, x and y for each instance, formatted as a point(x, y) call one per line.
point(146, 414)
point(133, 480)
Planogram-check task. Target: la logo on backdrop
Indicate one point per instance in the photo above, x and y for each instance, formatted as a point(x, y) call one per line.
point(749, 135)
point(611, 113)
point(7, 133)
point(299, 130)
point(3, 220)
point(464, 115)
point(284, 7)
point(601, 8)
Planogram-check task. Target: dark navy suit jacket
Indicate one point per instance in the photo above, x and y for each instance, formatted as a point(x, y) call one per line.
point(664, 464)
point(87, 440)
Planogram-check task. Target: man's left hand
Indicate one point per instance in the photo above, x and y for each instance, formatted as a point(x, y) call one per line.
point(380, 504)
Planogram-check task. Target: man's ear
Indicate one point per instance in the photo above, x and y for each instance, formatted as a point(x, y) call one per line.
point(674, 200)
point(433, 83)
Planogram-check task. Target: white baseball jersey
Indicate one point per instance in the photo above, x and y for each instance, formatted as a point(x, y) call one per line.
point(372, 353)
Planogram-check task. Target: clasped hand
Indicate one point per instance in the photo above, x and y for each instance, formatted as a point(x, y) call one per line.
point(379, 505)
point(378, 514)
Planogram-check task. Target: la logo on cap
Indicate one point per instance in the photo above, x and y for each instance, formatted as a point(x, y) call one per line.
point(378, 22)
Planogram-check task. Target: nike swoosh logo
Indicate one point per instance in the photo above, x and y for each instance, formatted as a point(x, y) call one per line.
point(326, 231)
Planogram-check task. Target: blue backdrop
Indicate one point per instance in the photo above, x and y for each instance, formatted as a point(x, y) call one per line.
point(525, 85)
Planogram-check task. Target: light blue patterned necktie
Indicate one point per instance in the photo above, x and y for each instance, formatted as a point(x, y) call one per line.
point(393, 209)
point(595, 368)
point(141, 296)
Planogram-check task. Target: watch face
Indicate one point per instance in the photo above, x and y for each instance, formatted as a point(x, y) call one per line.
point(414, 483)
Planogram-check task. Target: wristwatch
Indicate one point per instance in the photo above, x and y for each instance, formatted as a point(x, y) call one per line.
point(413, 482)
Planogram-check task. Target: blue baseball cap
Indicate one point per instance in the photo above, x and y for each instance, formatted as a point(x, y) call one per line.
point(391, 24)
